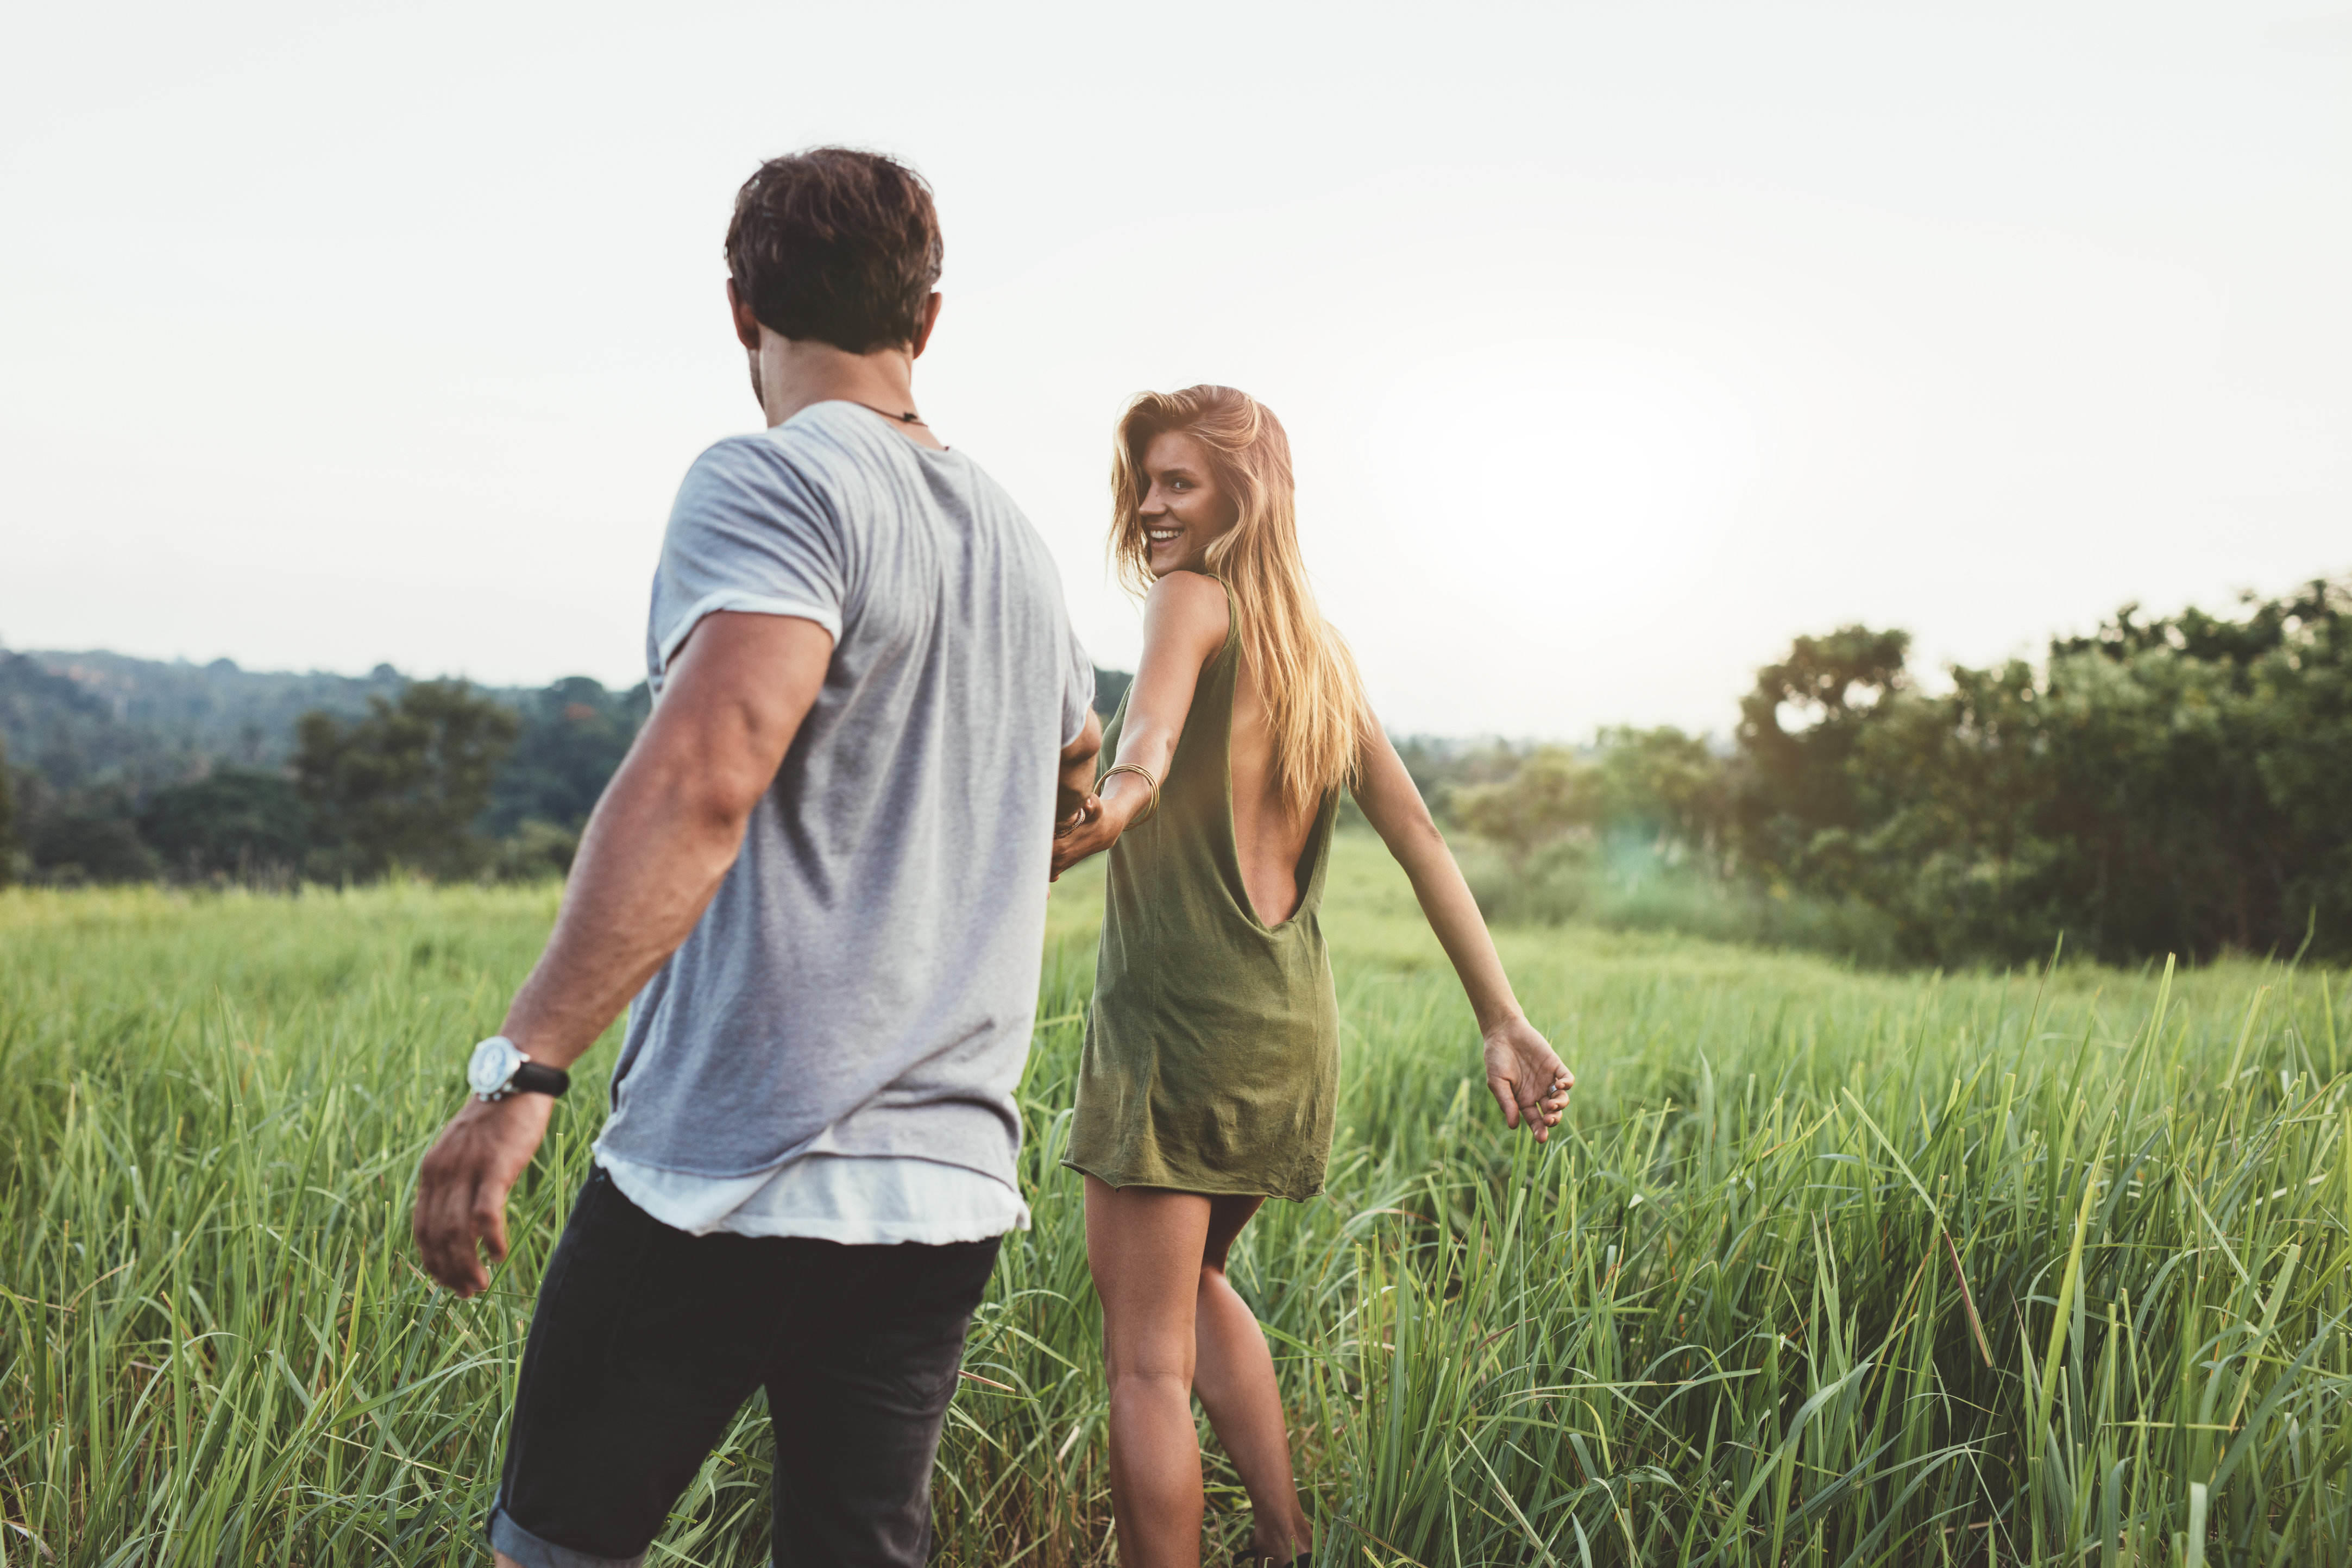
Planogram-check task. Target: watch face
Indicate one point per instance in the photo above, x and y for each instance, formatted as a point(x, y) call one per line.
point(495, 1061)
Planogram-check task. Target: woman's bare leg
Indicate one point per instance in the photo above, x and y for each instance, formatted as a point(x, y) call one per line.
point(1145, 1247)
point(1234, 1375)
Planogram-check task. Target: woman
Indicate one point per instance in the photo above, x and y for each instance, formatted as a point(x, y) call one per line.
point(1212, 1053)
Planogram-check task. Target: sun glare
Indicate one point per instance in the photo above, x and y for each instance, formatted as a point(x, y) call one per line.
point(1583, 482)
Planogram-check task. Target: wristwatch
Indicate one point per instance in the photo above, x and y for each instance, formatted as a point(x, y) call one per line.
point(499, 1069)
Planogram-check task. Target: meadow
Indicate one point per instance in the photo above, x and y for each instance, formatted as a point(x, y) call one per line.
point(1827, 1266)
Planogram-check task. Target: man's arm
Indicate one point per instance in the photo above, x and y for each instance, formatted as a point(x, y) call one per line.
point(1077, 771)
point(663, 836)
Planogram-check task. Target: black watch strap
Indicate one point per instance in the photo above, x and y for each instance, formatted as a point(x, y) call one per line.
point(531, 1078)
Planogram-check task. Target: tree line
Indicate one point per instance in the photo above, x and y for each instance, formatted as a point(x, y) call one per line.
point(2171, 784)
point(441, 779)
point(435, 778)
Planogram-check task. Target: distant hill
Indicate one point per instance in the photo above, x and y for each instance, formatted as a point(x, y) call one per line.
point(95, 719)
point(99, 719)
point(123, 769)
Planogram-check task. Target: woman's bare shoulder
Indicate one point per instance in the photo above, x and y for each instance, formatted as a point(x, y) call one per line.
point(1186, 607)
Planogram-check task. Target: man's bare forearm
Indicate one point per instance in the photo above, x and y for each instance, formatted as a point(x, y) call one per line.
point(654, 853)
point(670, 824)
point(1076, 779)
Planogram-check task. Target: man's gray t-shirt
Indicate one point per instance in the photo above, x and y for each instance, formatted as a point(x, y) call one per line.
point(865, 978)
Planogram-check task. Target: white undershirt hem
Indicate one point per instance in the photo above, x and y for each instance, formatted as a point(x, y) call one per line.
point(855, 1200)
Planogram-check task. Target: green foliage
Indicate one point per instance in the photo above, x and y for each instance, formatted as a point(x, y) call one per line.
point(96, 719)
point(2176, 785)
point(125, 753)
point(1662, 786)
point(403, 786)
point(1629, 836)
point(2181, 785)
point(1624, 881)
point(534, 851)
point(239, 822)
point(1110, 687)
point(90, 838)
point(1796, 796)
point(65, 733)
point(572, 736)
point(1551, 796)
point(7, 819)
point(1439, 766)
point(1824, 1267)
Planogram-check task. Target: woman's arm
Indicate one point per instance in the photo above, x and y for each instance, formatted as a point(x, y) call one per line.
point(1184, 623)
point(1525, 1077)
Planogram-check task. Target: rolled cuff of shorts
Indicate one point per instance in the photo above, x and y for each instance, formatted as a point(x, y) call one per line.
point(529, 1550)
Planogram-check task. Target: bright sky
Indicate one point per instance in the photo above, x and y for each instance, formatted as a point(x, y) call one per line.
point(1618, 342)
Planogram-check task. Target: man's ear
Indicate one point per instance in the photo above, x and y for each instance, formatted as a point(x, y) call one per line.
point(931, 320)
point(747, 326)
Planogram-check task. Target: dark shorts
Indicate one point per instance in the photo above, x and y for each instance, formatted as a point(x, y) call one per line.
point(646, 1340)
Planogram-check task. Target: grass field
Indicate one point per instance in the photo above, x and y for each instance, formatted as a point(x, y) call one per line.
point(1828, 1267)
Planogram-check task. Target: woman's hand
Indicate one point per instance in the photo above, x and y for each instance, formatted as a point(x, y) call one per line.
point(1083, 833)
point(1097, 823)
point(1527, 1077)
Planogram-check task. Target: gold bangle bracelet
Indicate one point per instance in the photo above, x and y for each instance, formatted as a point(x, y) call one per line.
point(1152, 809)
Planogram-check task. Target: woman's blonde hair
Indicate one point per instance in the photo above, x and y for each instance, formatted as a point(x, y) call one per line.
point(1314, 696)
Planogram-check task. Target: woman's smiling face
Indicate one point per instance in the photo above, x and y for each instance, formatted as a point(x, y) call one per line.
point(1184, 509)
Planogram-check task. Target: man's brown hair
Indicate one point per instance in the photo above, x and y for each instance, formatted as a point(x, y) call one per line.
point(838, 245)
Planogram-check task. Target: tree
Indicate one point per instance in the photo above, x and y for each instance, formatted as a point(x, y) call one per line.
point(7, 819)
point(1662, 785)
point(1793, 800)
point(2175, 785)
point(238, 821)
point(1551, 796)
point(573, 736)
point(403, 786)
point(90, 837)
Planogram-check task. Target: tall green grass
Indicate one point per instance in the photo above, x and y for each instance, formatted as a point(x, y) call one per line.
point(1827, 1267)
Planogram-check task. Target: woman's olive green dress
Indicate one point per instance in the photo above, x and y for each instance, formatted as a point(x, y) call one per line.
point(1213, 1049)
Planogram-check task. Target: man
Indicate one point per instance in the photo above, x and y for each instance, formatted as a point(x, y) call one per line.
point(825, 862)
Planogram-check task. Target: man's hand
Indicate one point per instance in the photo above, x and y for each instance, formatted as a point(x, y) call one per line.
point(1083, 833)
point(1527, 1077)
point(1076, 781)
point(462, 1187)
point(1099, 820)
